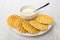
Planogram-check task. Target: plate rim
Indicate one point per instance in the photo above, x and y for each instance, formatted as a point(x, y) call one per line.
point(28, 34)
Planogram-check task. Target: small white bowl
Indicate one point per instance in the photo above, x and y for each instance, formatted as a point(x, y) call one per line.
point(27, 16)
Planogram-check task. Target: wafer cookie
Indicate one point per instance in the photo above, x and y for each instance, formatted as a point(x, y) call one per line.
point(38, 25)
point(15, 21)
point(29, 28)
point(44, 19)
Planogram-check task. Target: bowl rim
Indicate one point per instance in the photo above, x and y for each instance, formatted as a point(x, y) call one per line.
point(27, 7)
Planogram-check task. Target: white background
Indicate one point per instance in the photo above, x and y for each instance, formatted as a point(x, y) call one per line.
point(8, 7)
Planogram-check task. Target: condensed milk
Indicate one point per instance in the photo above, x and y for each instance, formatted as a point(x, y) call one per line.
point(27, 12)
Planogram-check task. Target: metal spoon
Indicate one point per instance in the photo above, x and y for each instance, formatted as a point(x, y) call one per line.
point(41, 7)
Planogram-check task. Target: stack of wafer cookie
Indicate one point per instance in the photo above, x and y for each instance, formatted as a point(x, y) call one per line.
point(39, 23)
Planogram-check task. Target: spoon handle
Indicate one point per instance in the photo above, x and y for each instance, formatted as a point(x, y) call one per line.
point(41, 7)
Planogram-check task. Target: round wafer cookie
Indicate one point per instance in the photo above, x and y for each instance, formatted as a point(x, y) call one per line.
point(38, 25)
point(29, 28)
point(44, 19)
point(15, 21)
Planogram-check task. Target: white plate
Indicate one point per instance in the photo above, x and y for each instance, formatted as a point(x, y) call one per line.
point(28, 34)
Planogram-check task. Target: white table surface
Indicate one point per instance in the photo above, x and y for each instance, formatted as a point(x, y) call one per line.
point(8, 7)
